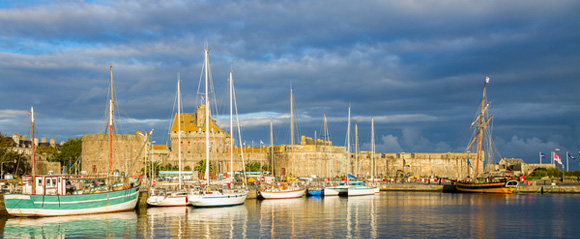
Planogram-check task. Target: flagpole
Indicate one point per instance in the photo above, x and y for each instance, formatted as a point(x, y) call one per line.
point(567, 158)
point(540, 158)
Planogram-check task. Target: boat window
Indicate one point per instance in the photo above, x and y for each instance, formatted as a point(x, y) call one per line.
point(39, 182)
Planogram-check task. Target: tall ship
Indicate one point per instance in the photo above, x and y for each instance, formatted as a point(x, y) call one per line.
point(485, 148)
point(56, 195)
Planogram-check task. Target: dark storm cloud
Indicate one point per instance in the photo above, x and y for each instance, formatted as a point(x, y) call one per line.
point(417, 67)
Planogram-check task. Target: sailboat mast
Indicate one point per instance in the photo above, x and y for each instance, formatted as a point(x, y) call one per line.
point(179, 126)
point(111, 105)
point(480, 130)
point(356, 146)
point(325, 140)
point(372, 148)
point(348, 146)
point(272, 150)
point(231, 124)
point(292, 128)
point(315, 152)
point(33, 151)
point(206, 118)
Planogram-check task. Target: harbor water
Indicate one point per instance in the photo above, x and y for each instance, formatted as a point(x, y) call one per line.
point(387, 215)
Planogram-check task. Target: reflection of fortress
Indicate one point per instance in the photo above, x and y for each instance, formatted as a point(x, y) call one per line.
point(310, 157)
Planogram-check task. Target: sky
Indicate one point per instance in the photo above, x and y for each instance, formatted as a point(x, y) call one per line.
point(416, 67)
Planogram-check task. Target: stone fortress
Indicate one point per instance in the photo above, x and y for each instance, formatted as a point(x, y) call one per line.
point(309, 157)
point(22, 145)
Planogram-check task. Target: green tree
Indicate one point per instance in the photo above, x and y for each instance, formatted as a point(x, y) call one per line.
point(200, 167)
point(47, 151)
point(267, 167)
point(12, 160)
point(70, 151)
point(156, 166)
point(187, 168)
point(252, 166)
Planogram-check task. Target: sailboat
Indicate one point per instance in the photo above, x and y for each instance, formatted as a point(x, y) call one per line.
point(284, 190)
point(355, 188)
point(212, 197)
point(328, 190)
point(482, 131)
point(316, 189)
point(161, 197)
point(372, 184)
point(54, 195)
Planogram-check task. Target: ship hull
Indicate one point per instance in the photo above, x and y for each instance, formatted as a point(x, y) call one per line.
point(282, 194)
point(26, 205)
point(497, 187)
point(217, 200)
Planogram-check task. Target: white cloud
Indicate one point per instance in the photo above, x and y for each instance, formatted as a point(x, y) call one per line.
point(11, 114)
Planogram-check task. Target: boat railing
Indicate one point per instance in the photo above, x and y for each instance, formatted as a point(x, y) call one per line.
point(511, 183)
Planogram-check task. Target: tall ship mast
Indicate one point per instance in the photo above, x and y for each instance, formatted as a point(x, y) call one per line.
point(484, 151)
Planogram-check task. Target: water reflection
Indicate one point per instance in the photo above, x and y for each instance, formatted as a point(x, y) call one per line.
point(388, 215)
point(187, 222)
point(222, 222)
point(109, 225)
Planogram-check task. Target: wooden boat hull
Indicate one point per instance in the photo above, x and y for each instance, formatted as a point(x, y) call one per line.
point(496, 187)
point(62, 205)
point(282, 194)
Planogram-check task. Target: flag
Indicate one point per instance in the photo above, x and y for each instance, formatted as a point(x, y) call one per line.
point(469, 163)
point(406, 164)
point(543, 155)
point(557, 158)
point(201, 98)
point(571, 157)
point(486, 79)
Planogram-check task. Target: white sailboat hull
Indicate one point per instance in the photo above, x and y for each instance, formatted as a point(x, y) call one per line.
point(330, 191)
point(360, 190)
point(282, 194)
point(169, 201)
point(216, 199)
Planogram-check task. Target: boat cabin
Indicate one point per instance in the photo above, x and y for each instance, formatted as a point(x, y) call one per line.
point(45, 185)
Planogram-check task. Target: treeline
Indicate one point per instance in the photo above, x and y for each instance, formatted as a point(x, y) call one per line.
point(18, 163)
